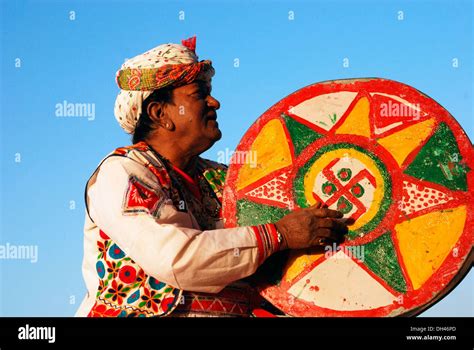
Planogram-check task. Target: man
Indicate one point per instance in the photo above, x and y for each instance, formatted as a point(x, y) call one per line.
point(154, 239)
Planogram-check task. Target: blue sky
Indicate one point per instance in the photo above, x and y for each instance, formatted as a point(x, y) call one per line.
point(76, 60)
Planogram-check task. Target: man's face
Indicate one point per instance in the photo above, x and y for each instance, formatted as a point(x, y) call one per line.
point(193, 113)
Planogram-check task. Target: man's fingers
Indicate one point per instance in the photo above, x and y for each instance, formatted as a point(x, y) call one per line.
point(336, 226)
point(327, 233)
point(349, 221)
point(340, 227)
point(326, 236)
point(327, 213)
point(326, 223)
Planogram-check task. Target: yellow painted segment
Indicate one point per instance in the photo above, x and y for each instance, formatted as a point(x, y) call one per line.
point(298, 260)
point(357, 122)
point(269, 151)
point(400, 144)
point(427, 240)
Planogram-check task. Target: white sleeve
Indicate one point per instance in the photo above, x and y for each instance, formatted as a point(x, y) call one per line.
point(165, 245)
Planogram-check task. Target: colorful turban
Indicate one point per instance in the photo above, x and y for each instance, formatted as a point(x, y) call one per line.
point(168, 65)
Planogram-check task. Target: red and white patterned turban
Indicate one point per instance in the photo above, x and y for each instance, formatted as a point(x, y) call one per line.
point(165, 65)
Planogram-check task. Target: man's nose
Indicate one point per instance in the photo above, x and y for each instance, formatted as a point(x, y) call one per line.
point(213, 103)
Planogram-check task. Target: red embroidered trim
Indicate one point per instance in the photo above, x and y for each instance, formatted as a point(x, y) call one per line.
point(261, 252)
point(267, 240)
point(231, 301)
point(273, 231)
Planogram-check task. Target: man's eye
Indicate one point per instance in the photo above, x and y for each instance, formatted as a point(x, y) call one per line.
point(200, 94)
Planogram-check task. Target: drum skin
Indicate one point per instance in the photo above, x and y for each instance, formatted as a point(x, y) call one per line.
point(387, 156)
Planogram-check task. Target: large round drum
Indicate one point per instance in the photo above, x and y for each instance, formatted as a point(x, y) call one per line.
point(387, 156)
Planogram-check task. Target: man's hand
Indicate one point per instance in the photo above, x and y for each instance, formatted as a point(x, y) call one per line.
point(309, 227)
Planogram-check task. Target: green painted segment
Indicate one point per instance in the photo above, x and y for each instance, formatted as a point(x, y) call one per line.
point(380, 257)
point(343, 205)
point(439, 161)
point(300, 134)
point(251, 214)
point(328, 188)
point(357, 190)
point(300, 198)
point(298, 187)
point(344, 174)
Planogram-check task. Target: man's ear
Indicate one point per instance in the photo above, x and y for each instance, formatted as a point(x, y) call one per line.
point(156, 112)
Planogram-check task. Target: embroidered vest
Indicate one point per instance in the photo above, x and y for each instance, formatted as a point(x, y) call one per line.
point(125, 290)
